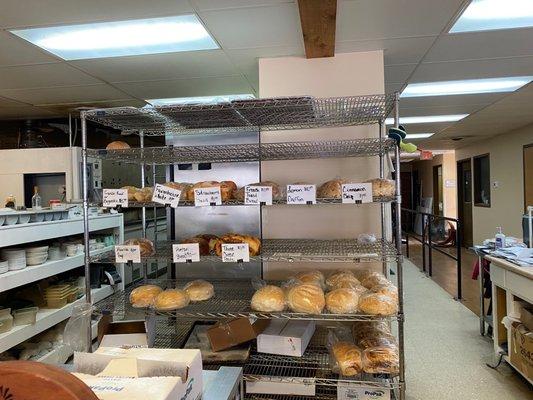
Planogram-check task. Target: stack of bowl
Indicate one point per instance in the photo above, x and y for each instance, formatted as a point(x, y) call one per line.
point(4, 267)
point(36, 255)
point(16, 258)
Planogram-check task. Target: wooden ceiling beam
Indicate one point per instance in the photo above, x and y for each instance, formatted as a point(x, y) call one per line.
point(318, 19)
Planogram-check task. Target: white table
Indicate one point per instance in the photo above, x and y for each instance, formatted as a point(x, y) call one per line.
point(508, 280)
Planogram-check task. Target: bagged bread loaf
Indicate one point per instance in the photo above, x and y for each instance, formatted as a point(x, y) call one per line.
point(146, 246)
point(330, 189)
point(348, 358)
point(171, 299)
point(276, 191)
point(387, 289)
point(254, 243)
point(268, 298)
point(381, 360)
point(144, 296)
point(374, 278)
point(144, 194)
point(339, 277)
point(377, 304)
point(342, 301)
point(203, 244)
point(199, 290)
point(306, 298)
point(117, 145)
point(226, 189)
point(364, 329)
point(382, 187)
point(314, 277)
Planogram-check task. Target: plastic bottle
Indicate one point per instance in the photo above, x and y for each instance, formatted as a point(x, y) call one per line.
point(36, 199)
point(500, 238)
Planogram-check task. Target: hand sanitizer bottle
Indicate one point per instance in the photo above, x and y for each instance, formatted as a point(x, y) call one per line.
point(500, 238)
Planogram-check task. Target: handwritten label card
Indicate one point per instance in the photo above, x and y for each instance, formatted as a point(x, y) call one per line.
point(125, 253)
point(207, 197)
point(258, 195)
point(166, 195)
point(355, 193)
point(187, 252)
point(235, 252)
point(301, 194)
point(115, 197)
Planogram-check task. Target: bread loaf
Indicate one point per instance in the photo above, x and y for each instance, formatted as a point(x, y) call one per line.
point(377, 304)
point(117, 145)
point(363, 329)
point(342, 301)
point(382, 187)
point(199, 290)
point(146, 246)
point(337, 277)
point(254, 244)
point(143, 296)
point(203, 244)
point(171, 299)
point(387, 289)
point(381, 360)
point(330, 189)
point(131, 192)
point(348, 359)
point(306, 298)
point(276, 191)
point(314, 277)
point(269, 298)
point(374, 279)
point(226, 189)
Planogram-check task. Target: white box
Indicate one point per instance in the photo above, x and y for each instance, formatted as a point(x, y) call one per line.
point(286, 338)
point(356, 391)
point(303, 387)
point(183, 370)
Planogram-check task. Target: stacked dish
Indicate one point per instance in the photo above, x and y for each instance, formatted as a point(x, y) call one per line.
point(36, 255)
point(16, 258)
point(57, 296)
point(55, 253)
point(4, 267)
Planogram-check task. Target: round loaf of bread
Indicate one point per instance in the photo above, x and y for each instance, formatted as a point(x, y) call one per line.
point(306, 298)
point(146, 246)
point(377, 304)
point(269, 298)
point(143, 296)
point(117, 145)
point(254, 244)
point(381, 360)
point(382, 187)
point(330, 189)
point(348, 358)
point(342, 301)
point(337, 277)
point(171, 299)
point(313, 277)
point(199, 290)
point(383, 339)
point(131, 192)
point(203, 244)
point(364, 329)
point(387, 289)
point(226, 189)
point(374, 280)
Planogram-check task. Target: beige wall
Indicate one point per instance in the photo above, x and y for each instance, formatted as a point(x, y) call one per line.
point(449, 179)
point(343, 75)
point(506, 171)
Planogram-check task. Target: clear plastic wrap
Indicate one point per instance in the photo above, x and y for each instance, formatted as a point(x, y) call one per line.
point(340, 276)
point(377, 304)
point(381, 360)
point(374, 279)
point(79, 323)
point(342, 301)
point(366, 238)
point(268, 298)
point(146, 246)
point(199, 290)
point(171, 299)
point(313, 277)
point(375, 339)
point(387, 289)
point(306, 298)
point(363, 329)
point(345, 357)
point(144, 296)
point(382, 187)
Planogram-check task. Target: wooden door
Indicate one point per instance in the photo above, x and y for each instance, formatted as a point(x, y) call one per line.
point(528, 176)
point(464, 201)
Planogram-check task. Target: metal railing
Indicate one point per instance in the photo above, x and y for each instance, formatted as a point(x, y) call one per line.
point(428, 245)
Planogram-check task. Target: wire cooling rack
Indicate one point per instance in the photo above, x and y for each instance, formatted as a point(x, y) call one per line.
point(265, 114)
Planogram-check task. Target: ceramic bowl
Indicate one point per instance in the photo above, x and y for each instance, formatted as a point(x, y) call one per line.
point(24, 218)
point(37, 249)
point(49, 216)
point(37, 217)
point(2, 220)
point(12, 219)
point(36, 260)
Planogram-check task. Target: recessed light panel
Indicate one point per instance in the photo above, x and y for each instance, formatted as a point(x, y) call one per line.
point(122, 38)
point(418, 135)
point(427, 119)
point(483, 15)
point(470, 86)
point(204, 99)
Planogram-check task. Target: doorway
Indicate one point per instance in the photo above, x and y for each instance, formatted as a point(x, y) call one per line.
point(528, 176)
point(464, 201)
point(438, 195)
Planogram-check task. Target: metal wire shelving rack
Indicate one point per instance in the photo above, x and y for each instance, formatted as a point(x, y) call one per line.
point(275, 114)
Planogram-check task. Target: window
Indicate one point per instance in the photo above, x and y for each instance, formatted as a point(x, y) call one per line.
point(482, 180)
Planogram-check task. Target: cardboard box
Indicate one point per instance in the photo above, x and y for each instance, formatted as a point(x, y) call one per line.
point(526, 316)
point(126, 334)
point(286, 337)
point(521, 350)
point(303, 387)
point(226, 334)
point(356, 391)
point(131, 374)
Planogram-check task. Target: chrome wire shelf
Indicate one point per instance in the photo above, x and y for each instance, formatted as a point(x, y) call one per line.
point(172, 334)
point(290, 250)
point(188, 203)
point(231, 300)
point(270, 114)
point(248, 152)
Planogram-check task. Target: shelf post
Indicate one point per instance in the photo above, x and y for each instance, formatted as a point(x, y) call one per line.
point(382, 129)
point(398, 237)
point(143, 209)
point(86, 256)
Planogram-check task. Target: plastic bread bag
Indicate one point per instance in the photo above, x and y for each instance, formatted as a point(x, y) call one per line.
point(374, 279)
point(313, 276)
point(144, 296)
point(364, 329)
point(376, 340)
point(267, 298)
point(342, 301)
point(386, 289)
point(381, 360)
point(377, 304)
point(345, 357)
point(77, 328)
point(340, 276)
point(366, 238)
point(305, 298)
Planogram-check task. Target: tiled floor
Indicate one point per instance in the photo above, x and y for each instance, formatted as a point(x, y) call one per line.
point(445, 355)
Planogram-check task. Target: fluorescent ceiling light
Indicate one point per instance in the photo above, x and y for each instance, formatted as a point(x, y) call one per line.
point(469, 86)
point(122, 38)
point(427, 119)
point(418, 135)
point(482, 15)
point(204, 99)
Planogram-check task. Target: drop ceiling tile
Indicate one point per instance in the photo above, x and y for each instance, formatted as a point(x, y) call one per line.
point(246, 60)
point(187, 87)
point(64, 109)
point(476, 45)
point(15, 51)
point(65, 94)
point(42, 75)
point(398, 73)
point(24, 112)
point(393, 87)
point(55, 12)
point(396, 51)
point(222, 4)
point(255, 26)
point(441, 110)
point(159, 66)
point(457, 100)
point(443, 71)
point(387, 19)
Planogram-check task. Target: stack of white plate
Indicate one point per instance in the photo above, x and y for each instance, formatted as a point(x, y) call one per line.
point(4, 267)
point(36, 255)
point(16, 258)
